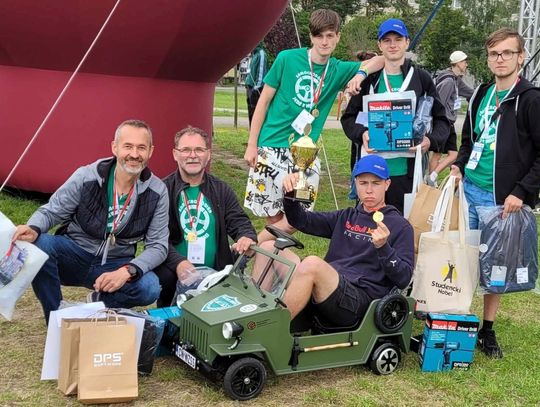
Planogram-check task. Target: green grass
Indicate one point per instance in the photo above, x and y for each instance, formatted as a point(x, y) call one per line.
point(224, 103)
point(513, 380)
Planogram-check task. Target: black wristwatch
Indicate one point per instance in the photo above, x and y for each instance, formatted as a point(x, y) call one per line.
point(133, 272)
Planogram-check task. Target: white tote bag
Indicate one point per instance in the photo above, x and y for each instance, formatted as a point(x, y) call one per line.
point(408, 199)
point(446, 272)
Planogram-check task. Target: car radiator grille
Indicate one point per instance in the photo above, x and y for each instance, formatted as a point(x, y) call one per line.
point(192, 333)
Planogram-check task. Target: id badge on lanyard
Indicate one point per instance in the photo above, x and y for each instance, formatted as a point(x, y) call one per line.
point(301, 121)
point(196, 250)
point(478, 146)
point(476, 153)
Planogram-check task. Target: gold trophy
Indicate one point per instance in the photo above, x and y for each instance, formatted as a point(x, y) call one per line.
point(304, 152)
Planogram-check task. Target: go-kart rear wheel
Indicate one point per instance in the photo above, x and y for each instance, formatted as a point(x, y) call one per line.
point(385, 359)
point(391, 313)
point(244, 379)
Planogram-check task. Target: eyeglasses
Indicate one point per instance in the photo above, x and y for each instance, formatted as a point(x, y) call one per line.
point(187, 151)
point(506, 55)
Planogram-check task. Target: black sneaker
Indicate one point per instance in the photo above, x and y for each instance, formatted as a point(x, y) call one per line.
point(487, 342)
point(93, 296)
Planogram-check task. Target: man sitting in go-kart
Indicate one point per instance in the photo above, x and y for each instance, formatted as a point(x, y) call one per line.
point(371, 251)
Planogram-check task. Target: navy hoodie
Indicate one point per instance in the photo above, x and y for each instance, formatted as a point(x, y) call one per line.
point(351, 251)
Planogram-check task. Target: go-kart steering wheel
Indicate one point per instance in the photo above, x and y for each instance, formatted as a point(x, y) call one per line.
point(284, 240)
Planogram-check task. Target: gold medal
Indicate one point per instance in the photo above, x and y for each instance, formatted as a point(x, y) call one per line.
point(112, 239)
point(191, 236)
point(378, 216)
point(315, 113)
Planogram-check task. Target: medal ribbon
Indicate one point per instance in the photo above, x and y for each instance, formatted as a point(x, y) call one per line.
point(487, 116)
point(193, 224)
point(316, 95)
point(122, 211)
point(404, 85)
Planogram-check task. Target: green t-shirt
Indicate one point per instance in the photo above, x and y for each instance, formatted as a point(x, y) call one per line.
point(482, 175)
point(110, 198)
point(396, 166)
point(205, 224)
point(290, 76)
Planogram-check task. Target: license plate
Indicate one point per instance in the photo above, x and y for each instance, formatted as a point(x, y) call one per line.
point(186, 357)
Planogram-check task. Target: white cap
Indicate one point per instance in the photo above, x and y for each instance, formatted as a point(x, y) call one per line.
point(457, 56)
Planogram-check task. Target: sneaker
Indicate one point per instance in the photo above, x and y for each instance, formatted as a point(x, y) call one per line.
point(93, 296)
point(487, 342)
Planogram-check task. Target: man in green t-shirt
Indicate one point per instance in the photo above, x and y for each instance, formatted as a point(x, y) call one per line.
point(300, 88)
point(203, 213)
point(500, 149)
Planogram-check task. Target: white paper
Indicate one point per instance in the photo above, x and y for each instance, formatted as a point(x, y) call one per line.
point(301, 121)
point(51, 355)
point(522, 275)
point(362, 118)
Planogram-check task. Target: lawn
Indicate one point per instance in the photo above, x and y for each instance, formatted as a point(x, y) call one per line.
point(224, 103)
point(513, 380)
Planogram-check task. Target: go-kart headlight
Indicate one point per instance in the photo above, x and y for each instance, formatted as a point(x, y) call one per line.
point(231, 330)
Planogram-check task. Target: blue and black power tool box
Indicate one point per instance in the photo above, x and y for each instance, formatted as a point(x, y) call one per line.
point(448, 343)
point(170, 332)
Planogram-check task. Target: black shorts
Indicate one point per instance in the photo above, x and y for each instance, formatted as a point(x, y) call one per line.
point(346, 306)
point(451, 142)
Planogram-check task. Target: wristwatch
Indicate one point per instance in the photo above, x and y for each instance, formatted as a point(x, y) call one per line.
point(133, 272)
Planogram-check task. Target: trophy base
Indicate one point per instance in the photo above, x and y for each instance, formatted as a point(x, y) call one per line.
point(300, 195)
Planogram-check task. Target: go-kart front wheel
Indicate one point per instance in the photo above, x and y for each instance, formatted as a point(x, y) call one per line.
point(385, 359)
point(244, 379)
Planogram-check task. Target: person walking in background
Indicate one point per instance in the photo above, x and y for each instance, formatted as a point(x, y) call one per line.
point(258, 67)
point(452, 90)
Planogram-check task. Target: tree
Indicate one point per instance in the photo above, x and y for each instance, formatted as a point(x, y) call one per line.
point(466, 29)
point(447, 32)
point(343, 7)
point(281, 36)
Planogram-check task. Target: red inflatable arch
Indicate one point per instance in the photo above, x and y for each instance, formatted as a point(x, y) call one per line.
point(156, 60)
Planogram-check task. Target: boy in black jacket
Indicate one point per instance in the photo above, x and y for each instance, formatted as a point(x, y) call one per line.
point(399, 74)
point(499, 157)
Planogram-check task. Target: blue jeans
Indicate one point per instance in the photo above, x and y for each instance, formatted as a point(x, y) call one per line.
point(476, 196)
point(70, 265)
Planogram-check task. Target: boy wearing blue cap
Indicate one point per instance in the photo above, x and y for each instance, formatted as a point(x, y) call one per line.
point(399, 75)
point(371, 250)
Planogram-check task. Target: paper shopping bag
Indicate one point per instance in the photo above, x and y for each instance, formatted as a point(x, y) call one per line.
point(107, 364)
point(69, 351)
point(446, 272)
point(423, 212)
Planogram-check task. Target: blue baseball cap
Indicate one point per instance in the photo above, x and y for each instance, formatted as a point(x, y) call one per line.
point(393, 25)
point(372, 164)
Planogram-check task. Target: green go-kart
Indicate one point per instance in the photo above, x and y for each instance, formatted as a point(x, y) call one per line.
point(240, 327)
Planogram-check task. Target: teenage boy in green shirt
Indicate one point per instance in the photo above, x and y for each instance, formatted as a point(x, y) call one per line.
point(302, 82)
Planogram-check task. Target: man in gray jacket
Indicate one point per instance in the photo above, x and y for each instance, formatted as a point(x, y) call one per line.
point(104, 209)
point(452, 90)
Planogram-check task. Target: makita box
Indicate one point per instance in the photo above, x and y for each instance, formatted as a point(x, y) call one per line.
point(448, 343)
point(390, 125)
